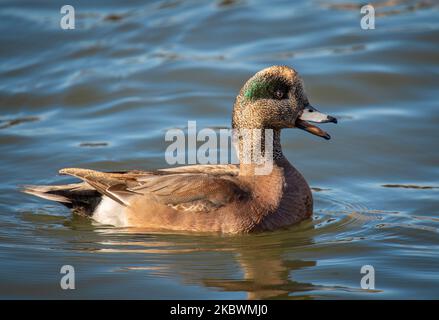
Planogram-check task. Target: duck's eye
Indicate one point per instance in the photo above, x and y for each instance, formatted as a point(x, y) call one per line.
point(279, 94)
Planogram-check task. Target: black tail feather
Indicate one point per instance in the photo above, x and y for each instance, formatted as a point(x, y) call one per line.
point(79, 197)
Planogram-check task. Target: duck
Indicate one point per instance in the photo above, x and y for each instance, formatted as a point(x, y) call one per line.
point(218, 198)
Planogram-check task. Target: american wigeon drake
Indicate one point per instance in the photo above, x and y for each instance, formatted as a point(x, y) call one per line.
point(210, 198)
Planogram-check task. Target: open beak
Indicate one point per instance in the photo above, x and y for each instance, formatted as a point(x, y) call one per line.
point(311, 114)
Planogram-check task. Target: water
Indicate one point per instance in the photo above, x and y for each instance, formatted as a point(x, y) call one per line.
point(103, 95)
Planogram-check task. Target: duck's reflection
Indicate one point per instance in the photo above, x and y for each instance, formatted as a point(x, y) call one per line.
point(265, 277)
point(259, 265)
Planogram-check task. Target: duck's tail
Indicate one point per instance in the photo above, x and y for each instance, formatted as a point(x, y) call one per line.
point(79, 197)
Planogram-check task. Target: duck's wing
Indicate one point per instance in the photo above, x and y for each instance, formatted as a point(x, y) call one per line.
point(114, 185)
point(217, 170)
point(179, 188)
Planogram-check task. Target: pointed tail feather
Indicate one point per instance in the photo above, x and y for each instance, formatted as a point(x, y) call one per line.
point(46, 192)
point(79, 197)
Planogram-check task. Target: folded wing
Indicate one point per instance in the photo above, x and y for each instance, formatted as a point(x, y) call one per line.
point(192, 188)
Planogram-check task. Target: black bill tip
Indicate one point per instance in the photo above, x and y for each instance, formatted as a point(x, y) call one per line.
point(332, 119)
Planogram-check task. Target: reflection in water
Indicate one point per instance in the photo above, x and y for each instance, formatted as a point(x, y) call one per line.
point(259, 265)
point(266, 275)
point(266, 272)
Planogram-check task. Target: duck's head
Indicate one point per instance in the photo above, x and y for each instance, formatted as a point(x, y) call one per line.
point(274, 98)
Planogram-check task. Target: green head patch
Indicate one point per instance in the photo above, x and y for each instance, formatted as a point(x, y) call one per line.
point(264, 89)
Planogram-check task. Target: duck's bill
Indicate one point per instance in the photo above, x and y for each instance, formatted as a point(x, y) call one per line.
point(310, 114)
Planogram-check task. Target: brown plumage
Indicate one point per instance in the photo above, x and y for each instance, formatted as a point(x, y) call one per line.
point(210, 198)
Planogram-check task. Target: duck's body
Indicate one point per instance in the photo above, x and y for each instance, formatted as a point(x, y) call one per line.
point(207, 198)
point(222, 200)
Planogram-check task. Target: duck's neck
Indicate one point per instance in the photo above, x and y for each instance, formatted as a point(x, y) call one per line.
point(277, 148)
point(257, 150)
